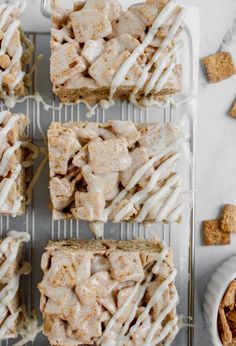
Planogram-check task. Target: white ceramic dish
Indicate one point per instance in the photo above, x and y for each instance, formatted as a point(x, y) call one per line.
point(216, 288)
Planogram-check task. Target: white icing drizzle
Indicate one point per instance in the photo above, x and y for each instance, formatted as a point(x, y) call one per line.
point(165, 77)
point(166, 330)
point(174, 215)
point(115, 201)
point(97, 228)
point(11, 123)
point(8, 35)
point(160, 67)
point(7, 156)
point(156, 197)
point(6, 11)
point(165, 43)
point(160, 20)
point(169, 204)
point(39, 100)
point(10, 248)
point(123, 212)
point(156, 296)
point(8, 184)
point(7, 324)
point(16, 206)
point(137, 296)
point(142, 170)
point(156, 325)
point(141, 196)
point(142, 290)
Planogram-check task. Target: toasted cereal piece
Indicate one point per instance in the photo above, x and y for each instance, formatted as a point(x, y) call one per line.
point(229, 296)
point(105, 67)
point(145, 12)
point(228, 223)
point(231, 317)
point(108, 183)
point(233, 110)
point(213, 235)
point(225, 332)
point(125, 129)
point(66, 63)
point(92, 49)
point(108, 156)
point(219, 66)
point(128, 23)
point(89, 205)
point(92, 21)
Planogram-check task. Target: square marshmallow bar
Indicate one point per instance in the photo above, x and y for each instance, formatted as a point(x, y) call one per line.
point(115, 171)
point(14, 150)
point(108, 293)
point(11, 267)
point(16, 52)
point(102, 52)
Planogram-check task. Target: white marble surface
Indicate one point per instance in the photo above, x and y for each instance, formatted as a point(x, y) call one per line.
point(216, 145)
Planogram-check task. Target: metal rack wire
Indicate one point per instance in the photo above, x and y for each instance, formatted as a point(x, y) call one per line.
point(38, 221)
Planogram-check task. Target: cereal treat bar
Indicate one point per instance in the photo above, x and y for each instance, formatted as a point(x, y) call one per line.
point(115, 171)
point(101, 52)
point(219, 66)
point(11, 269)
point(108, 293)
point(14, 149)
point(16, 51)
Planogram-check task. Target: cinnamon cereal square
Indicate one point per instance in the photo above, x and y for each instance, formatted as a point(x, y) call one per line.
point(91, 289)
point(233, 110)
point(213, 235)
point(228, 223)
point(92, 41)
point(219, 66)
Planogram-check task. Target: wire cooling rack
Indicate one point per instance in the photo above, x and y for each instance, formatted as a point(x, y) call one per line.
point(38, 221)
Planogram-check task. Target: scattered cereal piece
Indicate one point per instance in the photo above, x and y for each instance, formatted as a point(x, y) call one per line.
point(219, 66)
point(228, 223)
point(213, 234)
point(233, 110)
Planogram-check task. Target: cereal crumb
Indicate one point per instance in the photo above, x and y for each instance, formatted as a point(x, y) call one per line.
point(233, 110)
point(228, 223)
point(219, 66)
point(213, 234)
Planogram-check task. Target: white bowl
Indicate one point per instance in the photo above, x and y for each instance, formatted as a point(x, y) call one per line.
point(215, 291)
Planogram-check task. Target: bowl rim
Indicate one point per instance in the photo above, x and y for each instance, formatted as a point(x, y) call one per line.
point(213, 317)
